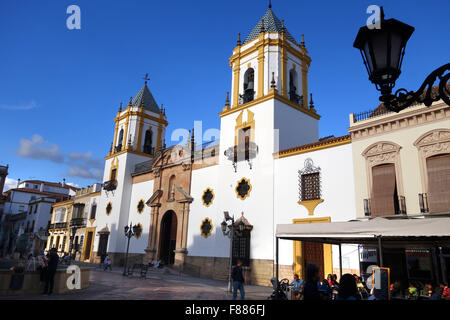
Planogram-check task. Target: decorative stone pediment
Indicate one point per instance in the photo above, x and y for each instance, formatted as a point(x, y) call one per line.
point(186, 197)
point(154, 199)
point(381, 152)
point(434, 142)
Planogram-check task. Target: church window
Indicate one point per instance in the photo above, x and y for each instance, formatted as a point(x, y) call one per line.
point(140, 206)
point(93, 210)
point(138, 231)
point(206, 228)
point(310, 184)
point(208, 196)
point(148, 148)
point(241, 248)
point(243, 188)
point(108, 208)
point(171, 193)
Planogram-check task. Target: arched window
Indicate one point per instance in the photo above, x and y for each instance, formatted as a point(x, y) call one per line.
point(249, 85)
point(438, 171)
point(294, 88)
point(119, 144)
point(171, 191)
point(148, 142)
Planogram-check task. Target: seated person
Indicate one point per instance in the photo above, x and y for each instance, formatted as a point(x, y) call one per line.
point(297, 287)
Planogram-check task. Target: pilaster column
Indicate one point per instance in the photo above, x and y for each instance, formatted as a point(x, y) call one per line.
point(283, 62)
point(139, 134)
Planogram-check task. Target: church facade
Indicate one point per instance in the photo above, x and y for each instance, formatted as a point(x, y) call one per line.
point(269, 167)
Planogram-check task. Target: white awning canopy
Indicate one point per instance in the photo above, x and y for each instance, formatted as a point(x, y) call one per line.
point(407, 231)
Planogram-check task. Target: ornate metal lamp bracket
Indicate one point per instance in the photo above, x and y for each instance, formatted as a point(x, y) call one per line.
point(404, 98)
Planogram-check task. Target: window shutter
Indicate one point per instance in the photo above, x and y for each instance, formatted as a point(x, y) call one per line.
point(438, 169)
point(383, 190)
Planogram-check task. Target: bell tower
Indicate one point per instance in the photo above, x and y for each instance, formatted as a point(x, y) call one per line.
point(270, 71)
point(138, 136)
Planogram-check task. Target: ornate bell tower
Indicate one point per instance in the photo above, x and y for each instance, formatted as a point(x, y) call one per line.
point(270, 68)
point(139, 134)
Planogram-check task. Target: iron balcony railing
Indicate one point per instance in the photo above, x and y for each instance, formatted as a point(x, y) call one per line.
point(399, 207)
point(373, 113)
point(423, 202)
point(58, 225)
point(78, 222)
point(242, 152)
point(110, 185)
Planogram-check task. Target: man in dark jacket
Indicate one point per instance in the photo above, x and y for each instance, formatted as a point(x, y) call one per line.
point(310, 289)
point(52, 264)
point(238, 280)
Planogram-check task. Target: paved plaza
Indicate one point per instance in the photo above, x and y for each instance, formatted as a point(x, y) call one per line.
point(158, 285)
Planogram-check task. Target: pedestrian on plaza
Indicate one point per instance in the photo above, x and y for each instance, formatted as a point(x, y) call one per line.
point(330, 280)
point(396, 290)
point(310, 289)
point(107, 263)
point(347, 288)
point(335, 282)
point(52, 265)
point(297, 287)
point(413, 292)
point(362, 291)
point(238, 280)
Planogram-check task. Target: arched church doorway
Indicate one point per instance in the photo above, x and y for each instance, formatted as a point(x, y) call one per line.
point(168, 238)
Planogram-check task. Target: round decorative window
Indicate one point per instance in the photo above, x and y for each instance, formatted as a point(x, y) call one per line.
point(206, 227)
point(243, 188)
point(208, 196)
point(108, 208)
point(140, 206)
point(138, 234)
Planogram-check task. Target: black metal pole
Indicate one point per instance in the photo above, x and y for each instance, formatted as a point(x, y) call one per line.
point(126, 256)
point(276, 259)
point(340, 260)
point(231, 256)
point(380, 252)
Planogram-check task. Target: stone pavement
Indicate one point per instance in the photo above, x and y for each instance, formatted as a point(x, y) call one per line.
point(160, 284)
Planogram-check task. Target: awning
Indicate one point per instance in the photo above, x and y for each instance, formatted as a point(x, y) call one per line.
point(406, 231)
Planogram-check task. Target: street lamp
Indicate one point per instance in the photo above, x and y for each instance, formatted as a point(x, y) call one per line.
point(382, 50)
point(130, 231)
point(228, 223)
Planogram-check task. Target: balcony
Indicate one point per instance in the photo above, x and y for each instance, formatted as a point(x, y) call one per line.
point(78, 222)
point(423, 202)
point(399, 207)
point(242, 152)
point(110, 185)
point(58, 225)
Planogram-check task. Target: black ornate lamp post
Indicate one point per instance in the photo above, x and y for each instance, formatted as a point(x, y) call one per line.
point(73, 231)
point(228, 223)
point(130, 231)
point(382, 51)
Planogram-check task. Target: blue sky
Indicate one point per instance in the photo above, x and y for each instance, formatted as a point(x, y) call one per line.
point(60, 89)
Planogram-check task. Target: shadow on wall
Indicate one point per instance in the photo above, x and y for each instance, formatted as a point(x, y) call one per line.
point(207, 266)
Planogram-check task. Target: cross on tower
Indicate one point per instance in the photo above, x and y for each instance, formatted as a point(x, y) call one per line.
point(146, 78)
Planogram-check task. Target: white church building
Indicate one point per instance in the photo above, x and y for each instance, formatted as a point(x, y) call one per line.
point(268, 167)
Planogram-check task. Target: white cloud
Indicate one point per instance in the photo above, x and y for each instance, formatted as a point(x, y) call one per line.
point(39, 149)
point(81, 165)
point(72, 184)
point(9, 184)
point(27, 106)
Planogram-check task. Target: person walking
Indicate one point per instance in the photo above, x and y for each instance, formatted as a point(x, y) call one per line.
point(52, 265)
point(238, 280)
point(107, 263)
point(310, 289)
